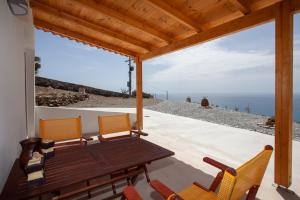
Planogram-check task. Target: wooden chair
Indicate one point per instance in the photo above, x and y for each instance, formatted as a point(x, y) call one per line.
point(62, 130)
point(234, 184)
point(116, 124)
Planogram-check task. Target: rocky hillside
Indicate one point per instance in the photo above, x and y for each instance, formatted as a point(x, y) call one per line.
point(46, 82)
point(55, 93)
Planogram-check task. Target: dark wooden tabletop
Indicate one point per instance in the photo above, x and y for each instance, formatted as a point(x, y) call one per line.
point(81, 163)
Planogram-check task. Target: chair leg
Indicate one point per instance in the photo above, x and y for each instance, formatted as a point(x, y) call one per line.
point(252, 192)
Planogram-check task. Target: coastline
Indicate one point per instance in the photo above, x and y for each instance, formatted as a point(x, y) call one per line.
point(258, 103)
point(222, 116)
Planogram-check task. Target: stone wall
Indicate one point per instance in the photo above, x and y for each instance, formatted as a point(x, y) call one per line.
point(62, 99)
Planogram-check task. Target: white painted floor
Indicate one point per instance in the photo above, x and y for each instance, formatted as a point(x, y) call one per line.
point(191, 140)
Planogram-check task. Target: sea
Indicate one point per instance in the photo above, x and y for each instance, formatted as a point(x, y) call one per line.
point(262, 104)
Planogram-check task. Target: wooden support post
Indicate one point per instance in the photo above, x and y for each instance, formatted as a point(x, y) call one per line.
point(139, 93)
point(284, 94)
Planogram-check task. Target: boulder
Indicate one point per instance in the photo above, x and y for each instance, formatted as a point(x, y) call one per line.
point(188, 99)
point(205, 102)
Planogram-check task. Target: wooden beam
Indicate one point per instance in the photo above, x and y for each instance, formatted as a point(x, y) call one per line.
point(176, 14)
point(48, 27)
point(284, 94)
point(75, 19)
point(122, 17)
point(139, 93)
point(245, 22)
point(296, 6)
point(241, 5)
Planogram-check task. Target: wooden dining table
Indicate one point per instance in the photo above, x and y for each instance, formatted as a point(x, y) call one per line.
point(80, 163)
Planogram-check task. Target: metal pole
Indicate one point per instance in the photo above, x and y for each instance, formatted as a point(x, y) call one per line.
point(130, 69)
point(129, 73)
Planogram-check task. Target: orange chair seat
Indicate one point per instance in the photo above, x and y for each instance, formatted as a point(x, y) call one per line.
point(195, 193)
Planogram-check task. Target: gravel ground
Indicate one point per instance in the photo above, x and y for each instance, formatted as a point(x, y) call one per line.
point(115, 102)
point(220, 116)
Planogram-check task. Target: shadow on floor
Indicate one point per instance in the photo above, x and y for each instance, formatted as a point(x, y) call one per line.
point(175, 174)
point(172, 172)
point(287, 194)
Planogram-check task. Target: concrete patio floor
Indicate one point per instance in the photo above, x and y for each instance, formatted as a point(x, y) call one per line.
point(191, 140)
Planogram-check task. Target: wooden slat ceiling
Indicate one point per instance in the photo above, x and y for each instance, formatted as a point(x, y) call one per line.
point(149, 28)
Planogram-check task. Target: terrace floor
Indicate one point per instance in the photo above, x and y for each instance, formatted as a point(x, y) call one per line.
point(192, 139)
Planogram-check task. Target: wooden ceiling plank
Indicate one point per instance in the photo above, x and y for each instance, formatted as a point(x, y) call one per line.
point(260, 4)
point(296, 6)
point(46, 26)
point(241, 5)
point(254, 6)
point(242, 23)
point(175, 14)
point(122, 17)
point(85, 23)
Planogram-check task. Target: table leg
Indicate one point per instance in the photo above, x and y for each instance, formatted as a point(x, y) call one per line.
point(146, 174)
point(132, 180)
point(89, 192)
point(56, 193)
point(128, 179)
point(113, 186)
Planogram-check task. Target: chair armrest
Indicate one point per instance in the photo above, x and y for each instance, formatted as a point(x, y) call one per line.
point(139, 132)
point(131, 194)
point(161, 188)
point(216, 164)
point(215, 184)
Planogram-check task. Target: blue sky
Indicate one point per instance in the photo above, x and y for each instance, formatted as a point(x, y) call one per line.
point(239, 63)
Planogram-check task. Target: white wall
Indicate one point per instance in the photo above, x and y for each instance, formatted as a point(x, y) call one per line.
point(89, 116)
point(16, 36)
point(30, 91)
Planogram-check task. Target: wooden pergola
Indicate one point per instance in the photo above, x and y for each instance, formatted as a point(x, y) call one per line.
point(144, 29)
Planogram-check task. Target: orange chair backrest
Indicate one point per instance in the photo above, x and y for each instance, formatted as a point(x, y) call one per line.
point(114, 124)
point(248, 175)
point(61, 129)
